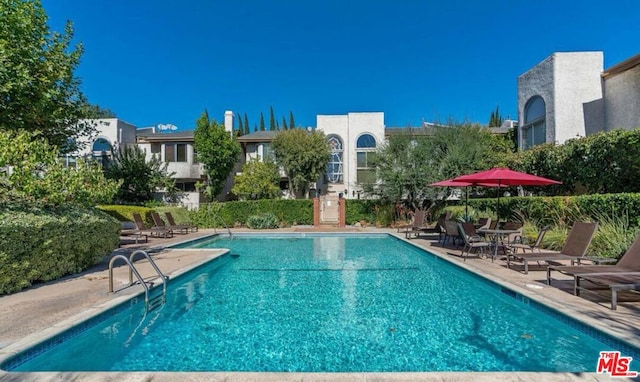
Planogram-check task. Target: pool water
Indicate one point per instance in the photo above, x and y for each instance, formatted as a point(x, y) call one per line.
point(328, 304)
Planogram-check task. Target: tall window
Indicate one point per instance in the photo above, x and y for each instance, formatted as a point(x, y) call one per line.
point(365, 149)
point(175, 152)
point(101, 151)
point(334, 167)
point(534, 130)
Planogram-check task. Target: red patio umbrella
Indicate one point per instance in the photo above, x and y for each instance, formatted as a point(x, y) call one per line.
point(502, 177)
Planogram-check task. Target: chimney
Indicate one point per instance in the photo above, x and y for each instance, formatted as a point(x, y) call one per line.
point(228, 121)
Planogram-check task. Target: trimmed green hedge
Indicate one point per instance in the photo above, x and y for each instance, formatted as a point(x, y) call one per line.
point(43, 244)
point(288, 212)
point(125, 213)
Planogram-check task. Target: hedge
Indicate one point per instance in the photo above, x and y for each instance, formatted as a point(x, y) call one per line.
point(45, 243)
point(232, 214)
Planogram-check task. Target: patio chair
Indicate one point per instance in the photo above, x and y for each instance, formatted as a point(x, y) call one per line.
point(416, 226)
point(575, 247)
point(172, 222)
point(615, 282)
point(470, 243)
point(157, 220)
point(483, 223)
point(450, 232)
point(514, 247)
point(153, 231)
point(629, 262)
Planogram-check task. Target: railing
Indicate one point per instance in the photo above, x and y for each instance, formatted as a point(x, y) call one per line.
point(134, 271)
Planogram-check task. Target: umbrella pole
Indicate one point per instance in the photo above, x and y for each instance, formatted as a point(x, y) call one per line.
point(466, 203)
point(498, 203)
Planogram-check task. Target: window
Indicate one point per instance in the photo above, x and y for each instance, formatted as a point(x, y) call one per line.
point(334, 166)
point(534, 130)
point(101, 151)
point(175, 152)
point(365, 149)
point(267, 153)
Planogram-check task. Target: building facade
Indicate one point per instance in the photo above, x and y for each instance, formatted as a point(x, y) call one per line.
point(569, 95)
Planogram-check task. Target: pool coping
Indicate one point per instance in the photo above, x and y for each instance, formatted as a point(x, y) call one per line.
point(41, 336)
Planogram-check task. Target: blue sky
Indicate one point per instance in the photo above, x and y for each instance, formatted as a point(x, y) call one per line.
point(165, 61)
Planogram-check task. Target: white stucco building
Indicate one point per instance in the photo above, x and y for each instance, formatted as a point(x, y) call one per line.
point(569, 95)
point(352, 138)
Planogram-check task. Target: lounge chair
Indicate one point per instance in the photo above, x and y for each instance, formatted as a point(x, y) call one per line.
point(615, 282)
point(153, 231)
point(157, 220)
point(172, 222)
point(629, 262)
point(575, 247)
point(470, 242)
point(415, 227)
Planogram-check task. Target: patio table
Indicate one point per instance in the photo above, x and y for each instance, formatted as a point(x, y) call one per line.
point(496, 237)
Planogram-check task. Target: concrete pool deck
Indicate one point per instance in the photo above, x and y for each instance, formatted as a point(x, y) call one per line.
point(38, 312)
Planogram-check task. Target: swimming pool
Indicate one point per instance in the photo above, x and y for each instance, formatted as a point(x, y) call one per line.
point(328, 303)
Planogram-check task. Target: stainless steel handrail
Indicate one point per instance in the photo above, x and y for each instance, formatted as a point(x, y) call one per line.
point(135, 271)
point(153, 264)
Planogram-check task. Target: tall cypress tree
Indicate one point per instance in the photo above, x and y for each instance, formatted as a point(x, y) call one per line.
point(261, 122)
point(246, 125)
point(284, 123)
point(272, 120)
point(292, 124)
point(240, 127)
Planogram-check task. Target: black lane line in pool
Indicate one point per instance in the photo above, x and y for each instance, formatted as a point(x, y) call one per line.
point(326, 269)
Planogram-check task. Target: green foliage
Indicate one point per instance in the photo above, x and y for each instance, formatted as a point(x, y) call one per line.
point(360, 210)
point(288, 212)
point(303, 155)
point(263, 221)
point(31, 171)
point(261, 122)
point(97, 112)
point(292, 122)
point(38, 89)
point(272, 120)
point(606, 162)
point(614, 236)
point(125, 213)
point(495, 120)
point(259, 180)
point(217, 150)
point(140, 178)
point(409, 162)
point(43, 244)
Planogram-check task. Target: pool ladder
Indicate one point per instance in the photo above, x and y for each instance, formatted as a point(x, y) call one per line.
point(149, 304)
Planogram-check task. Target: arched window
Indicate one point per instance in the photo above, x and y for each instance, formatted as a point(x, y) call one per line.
point(101, 151)
point(100, 145)
point(334, 167)
point(365, 148)
point(534, 130)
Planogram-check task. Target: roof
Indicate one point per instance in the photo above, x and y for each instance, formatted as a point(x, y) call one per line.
point(166, 137)
point(622, 67)
point(258, 136)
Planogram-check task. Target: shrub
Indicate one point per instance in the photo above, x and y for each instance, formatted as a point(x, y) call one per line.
point(237, 212)
point(125, 213)
point(263, 221)
point(42, 244)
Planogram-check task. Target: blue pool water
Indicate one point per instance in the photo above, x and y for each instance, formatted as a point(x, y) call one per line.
point(328, 303)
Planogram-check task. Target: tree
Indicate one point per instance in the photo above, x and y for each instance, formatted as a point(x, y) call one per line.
point(217, 150)
point(247, 127)
point(409, 162)
point(495, 120)
point(30, 170)
point(292, 123)
point(303, 155)
point(272, 120)
point(38, 89)
point(96, 112)
point(140, 178)
point(261, 122)
point(284, 123)
point(259, 180)
point(240, 127)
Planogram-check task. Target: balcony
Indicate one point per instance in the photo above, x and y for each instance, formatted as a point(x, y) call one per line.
point(184, 170)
